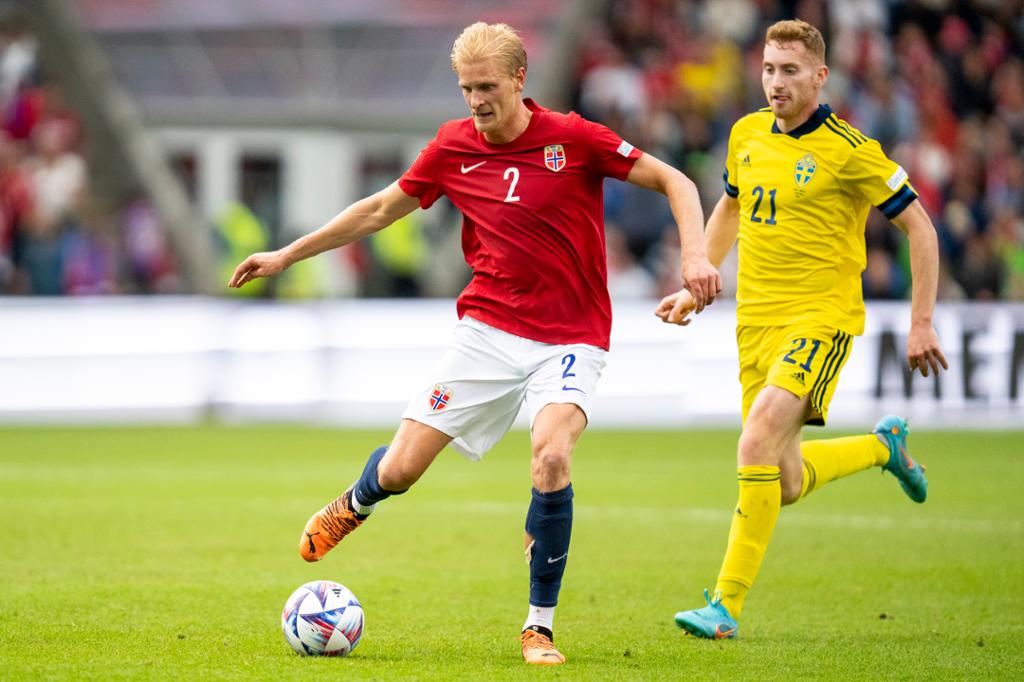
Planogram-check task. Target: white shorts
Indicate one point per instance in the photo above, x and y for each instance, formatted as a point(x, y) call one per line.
point(487, 374)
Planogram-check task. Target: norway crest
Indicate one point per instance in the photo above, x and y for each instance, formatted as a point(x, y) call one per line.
point(440, 396)
point(805, 168)
point(554, 157)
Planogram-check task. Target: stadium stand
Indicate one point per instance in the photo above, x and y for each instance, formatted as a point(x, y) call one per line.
point(271, 118)
point(939, 84)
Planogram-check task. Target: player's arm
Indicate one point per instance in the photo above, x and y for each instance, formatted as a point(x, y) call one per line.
point(699, 276)
point(362, 218)
point(720, 235)
point(923, 349)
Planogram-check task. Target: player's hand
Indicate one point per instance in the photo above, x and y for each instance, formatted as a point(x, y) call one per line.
point(263, 264)
point(924, 351)
point(703, 282)
point(676, 308)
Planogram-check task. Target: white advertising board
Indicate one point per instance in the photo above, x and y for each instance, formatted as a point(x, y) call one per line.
point(356, 363)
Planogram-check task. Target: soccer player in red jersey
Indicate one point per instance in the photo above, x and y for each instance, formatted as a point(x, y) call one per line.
point(534, 321)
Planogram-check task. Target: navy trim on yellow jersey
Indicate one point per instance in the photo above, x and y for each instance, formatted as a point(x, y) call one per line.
point(809, 126)
point(838, 130)
point(895, 204)
point(855, 134)
point(730, 189)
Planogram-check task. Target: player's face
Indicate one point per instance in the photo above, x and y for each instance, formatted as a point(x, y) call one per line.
point(792, 77)
point(492, 94)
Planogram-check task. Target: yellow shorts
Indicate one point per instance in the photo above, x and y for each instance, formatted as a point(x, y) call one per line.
point(802, 359)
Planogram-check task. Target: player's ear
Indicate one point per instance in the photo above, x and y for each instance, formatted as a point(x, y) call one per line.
point(822, 76)
point(519, 78)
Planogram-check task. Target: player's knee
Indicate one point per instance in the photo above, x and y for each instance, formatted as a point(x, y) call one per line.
point(754, 448)
point(790, 491)
point(550, 466)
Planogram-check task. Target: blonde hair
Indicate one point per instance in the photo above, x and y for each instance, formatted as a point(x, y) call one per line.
point(797, 31)
point(480, 42)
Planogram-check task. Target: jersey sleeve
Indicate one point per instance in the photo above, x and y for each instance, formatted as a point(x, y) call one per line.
point(610, 155)
point(422, 180)
point(732, 187)
point(883, 182)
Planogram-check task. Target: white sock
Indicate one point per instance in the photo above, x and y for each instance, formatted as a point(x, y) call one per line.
point(358, 508)
point(544, 616)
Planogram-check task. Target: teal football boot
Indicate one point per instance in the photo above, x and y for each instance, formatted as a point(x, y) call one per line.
point(711, 622)
point(909, 473)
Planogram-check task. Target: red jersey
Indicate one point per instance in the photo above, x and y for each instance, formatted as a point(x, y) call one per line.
point(533, 221)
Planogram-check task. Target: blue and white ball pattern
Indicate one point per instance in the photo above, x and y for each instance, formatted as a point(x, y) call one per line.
point(322, 618)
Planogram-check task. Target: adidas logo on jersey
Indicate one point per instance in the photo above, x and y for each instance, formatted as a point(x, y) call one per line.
point(746, 161)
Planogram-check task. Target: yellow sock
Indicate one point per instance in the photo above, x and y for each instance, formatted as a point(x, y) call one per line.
point(752, 526)
point(827, 460)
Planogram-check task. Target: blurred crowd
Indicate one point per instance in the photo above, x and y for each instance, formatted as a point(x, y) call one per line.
point(56, 235)
point(940, 84)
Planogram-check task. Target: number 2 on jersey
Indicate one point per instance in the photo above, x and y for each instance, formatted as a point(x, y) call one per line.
point(511, 172)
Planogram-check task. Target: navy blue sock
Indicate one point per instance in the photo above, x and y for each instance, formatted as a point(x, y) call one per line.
point(549, 523)
point(368, 488)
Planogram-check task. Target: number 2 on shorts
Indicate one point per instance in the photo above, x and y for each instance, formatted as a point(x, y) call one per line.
point(567, 362)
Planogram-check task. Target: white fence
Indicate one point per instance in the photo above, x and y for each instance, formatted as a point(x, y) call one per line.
point(356, 363)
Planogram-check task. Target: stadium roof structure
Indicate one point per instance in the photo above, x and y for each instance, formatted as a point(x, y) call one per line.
point(348, 63)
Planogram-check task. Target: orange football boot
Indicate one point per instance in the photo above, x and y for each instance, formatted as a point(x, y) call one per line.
point(328, 527)
point(538, 649)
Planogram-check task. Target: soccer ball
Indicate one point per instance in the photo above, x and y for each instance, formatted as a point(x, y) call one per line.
point(322, 618)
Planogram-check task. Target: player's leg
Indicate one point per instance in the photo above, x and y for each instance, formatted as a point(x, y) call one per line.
point(771, 424)
point(471, 407)
point(549, 524)
point(825, 460)
point(771, 436)
point(829, 459)
point(558, 398)
point(389, 471)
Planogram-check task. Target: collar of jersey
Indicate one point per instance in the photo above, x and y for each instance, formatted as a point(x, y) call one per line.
point(808, 126)
point(535, 109)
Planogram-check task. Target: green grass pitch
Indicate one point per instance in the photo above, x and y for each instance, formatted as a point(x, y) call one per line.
point(162, 553)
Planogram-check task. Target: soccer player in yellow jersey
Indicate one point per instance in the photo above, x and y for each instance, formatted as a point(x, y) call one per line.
point(798, 186)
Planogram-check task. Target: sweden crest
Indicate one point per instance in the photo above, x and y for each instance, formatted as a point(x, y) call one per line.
point(805, 168)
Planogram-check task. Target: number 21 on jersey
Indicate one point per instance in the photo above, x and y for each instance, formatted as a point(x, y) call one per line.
point(759, 193)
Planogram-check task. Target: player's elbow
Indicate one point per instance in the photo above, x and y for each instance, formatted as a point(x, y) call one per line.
point(681, 183)
point(915, 223)
point(376, 214)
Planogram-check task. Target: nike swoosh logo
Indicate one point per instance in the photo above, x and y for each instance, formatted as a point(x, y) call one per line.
point(721, 632)
point(570, 388)
point(466, 169)
point(557, 559)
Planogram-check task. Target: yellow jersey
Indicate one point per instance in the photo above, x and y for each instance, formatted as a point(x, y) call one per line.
point(804, 198)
